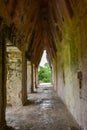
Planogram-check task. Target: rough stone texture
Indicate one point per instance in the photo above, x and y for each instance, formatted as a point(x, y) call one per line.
point(28, 77)
point(45, 112)
point(14, 76)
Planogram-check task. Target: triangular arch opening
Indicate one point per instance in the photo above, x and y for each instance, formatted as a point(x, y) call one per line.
point(44, 69)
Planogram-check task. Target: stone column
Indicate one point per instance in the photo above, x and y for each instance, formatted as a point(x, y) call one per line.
point(33, 78)
point(2, 86)
point(28, 77)
point(24, 78)
point(36, 77)
point(14, 76)
point(32, 87)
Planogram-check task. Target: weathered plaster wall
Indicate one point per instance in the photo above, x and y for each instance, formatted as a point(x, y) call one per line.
point(83, 37)
point(14, 76)
point(54, 74)
point(72, 66)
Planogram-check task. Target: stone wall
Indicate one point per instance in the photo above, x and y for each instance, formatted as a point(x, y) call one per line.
point(14, 76)
point(83, 38)
point(72, 66)
point(54, 74)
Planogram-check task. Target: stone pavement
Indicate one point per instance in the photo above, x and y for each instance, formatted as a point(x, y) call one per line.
point(43, 111)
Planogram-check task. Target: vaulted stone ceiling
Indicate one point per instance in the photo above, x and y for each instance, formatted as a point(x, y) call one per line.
point(35, 25)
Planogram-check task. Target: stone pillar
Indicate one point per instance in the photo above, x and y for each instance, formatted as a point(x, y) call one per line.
point(2, 86)
point(14, 76)
point(28, 77)
point(33, 78)
point(24, 78)
point(36, 77)
point(32, 87)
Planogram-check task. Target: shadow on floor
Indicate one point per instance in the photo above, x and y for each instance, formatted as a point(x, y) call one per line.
point(33, 102)
point(9, 128)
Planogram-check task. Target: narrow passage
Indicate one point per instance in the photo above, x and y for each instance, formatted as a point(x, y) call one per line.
point(44, 111)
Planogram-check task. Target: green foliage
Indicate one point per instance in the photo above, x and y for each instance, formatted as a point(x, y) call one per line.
point(44, 73)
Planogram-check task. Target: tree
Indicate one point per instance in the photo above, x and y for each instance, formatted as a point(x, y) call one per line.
point(44, 73)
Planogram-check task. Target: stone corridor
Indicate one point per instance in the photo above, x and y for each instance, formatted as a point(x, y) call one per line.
point(27, 28)
point(43, 111)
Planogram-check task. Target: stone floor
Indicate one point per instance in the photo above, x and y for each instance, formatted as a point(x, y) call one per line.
point(43, 111)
